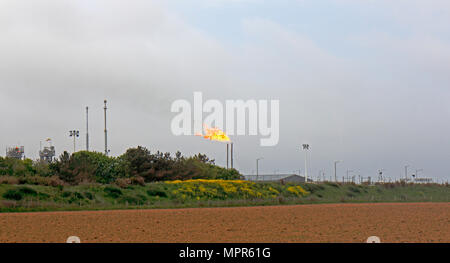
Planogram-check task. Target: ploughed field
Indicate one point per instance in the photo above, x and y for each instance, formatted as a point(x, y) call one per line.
point(392, 222)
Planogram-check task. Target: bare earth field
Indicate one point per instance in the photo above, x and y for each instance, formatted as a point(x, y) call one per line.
point(392, 222)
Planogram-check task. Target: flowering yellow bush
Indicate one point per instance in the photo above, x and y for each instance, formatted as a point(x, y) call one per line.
point(297, 190)
point(230, 189)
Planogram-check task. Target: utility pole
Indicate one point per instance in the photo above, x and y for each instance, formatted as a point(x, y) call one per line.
point(87, 129)
point(106, 132)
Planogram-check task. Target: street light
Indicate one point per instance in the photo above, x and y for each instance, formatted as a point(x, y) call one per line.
point(335, 170)
point(306, 149)
point(380, 175)
point(257, 167)
point(74, 134)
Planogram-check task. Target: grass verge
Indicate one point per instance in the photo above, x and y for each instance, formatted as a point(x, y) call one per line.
point(207, 193)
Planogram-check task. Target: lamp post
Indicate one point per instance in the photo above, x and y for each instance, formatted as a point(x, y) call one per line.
point(74, 134)
point(257, 167)
point(380, 175)
point(306, 149)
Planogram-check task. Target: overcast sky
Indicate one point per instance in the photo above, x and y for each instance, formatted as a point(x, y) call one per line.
point(365, 82)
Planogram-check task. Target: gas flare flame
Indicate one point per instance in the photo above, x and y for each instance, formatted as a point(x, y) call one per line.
point(214, 134)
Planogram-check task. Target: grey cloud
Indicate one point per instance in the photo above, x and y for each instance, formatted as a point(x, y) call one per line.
point(384, 109)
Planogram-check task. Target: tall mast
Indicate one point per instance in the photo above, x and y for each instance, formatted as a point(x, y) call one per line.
point(87, 129)
point(106, 132)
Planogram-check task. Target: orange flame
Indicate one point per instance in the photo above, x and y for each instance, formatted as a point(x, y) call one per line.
point(214, 134)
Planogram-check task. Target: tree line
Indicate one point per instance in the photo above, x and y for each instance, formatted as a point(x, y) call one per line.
point(136, 166)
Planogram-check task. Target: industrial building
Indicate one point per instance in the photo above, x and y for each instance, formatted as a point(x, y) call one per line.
point(17, 152)
point(287, 178)
point(47, 154)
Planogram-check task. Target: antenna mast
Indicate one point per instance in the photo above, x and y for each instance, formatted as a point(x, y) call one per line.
point(87, 129)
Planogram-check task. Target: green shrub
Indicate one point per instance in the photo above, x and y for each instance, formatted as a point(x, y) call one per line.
point(19, 193)
point(155, 192)
point(27, 191)
point(13, 194)
point(350, 194)
point(113, 192)
point(78, 195)
point(43, 195)
point(312, 188)
point(128, 199)
point(89, 195)
point(332, 184)
point(133, 200)
point(354, 189)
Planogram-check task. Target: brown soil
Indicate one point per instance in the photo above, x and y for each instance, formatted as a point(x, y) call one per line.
point(407, 222)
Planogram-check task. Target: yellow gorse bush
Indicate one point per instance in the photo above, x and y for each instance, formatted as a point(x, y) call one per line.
point(224, 189)
point(210, 188)
point(297, 190)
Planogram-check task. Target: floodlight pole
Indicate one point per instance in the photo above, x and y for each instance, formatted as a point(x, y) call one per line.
point(74, 134)
point(380, 175)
